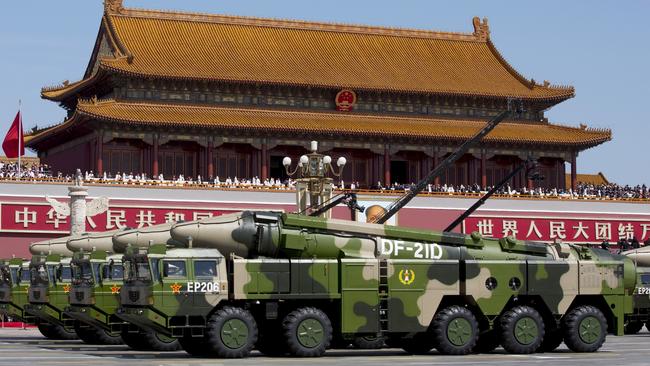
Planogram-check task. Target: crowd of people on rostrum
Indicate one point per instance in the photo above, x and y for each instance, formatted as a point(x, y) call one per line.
point(623, 245)
point(42, 172)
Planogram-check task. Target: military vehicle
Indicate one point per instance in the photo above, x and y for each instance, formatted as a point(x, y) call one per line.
point(640, 315)
point(289, 284)
point(13, 289)
point(97, 280)
point(50, 281)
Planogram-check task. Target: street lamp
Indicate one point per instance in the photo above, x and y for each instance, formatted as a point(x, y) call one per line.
point(311, 176)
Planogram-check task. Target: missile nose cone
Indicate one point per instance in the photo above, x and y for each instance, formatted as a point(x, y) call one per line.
point(123, 239)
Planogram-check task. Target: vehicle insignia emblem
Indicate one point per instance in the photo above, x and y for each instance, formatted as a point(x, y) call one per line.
point(345, 100)
point(79, 295)
point(66, 289)
point(406, 276)
point(36, 294)
point(115, 289)
point(134, 296)
point(176, 288)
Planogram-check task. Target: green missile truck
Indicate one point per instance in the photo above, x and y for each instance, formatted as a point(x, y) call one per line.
point(97, 280)
point(50, 282)
point(289, 283)
point(13, 289)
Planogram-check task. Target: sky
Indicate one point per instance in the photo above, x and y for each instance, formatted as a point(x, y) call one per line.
point(599, 47)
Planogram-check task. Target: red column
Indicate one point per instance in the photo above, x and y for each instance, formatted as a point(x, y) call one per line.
point(574, 170)
point(436, 180)
point(386, 167)
point(154, 158)
point(99, 154)
point(209, 158)
point(264, 160)
point(483, 170)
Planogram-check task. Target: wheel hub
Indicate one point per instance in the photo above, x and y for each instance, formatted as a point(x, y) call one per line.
point(459, 331)
point(310, 333)
point(526, 331)
point(590, 329)
point(234, 333)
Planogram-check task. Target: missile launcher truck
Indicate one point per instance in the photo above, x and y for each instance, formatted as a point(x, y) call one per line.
point(640, 315)
point(97, 280)
point(289, 284)
point(13, 289)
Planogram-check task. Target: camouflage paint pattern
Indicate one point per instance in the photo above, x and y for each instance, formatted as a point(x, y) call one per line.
point(15, 297)
point(359, 266)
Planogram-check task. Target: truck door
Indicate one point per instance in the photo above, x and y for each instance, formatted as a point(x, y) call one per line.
point(174, 283)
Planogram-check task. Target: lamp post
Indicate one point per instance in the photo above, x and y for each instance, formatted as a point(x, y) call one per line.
point(311, 177)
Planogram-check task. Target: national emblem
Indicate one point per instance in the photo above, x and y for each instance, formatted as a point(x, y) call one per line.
point(176, 288)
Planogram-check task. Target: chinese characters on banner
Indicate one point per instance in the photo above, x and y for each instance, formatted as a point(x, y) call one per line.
point(43, 218)
point(569, 230)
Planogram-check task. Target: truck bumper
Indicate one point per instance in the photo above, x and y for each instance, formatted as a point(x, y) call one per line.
point(95, 317)
point(145, 318)
point(49, 314)
point(16, 312)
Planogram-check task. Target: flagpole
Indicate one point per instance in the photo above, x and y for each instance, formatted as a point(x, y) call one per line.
point(20, 133)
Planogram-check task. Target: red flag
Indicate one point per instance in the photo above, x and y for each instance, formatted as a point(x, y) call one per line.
point(14, 139)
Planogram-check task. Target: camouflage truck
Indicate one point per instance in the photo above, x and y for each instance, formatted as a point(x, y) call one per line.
point(50, 282)
point(289, 284)
point(640, 314)
point(13, 289)
point(98, 278)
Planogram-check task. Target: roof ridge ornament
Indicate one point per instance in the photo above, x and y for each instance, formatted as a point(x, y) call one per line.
point(481, 29)
point(113, 6)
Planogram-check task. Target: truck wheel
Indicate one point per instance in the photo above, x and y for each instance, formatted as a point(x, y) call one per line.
point(93, 335)
point(632, 327)
point(194, 346)
point(307, 331)
point(420, 344)
point(158, 342)
point(231, 333)
point(455, 330)
point(585, 329)
point(487, 342)
point(134, 341)
point(552, 340)
point(52, 331)
point(521, 330)
point(368, 342)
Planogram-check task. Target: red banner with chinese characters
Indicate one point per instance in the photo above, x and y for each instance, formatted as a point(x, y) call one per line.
point(41, 218)
point(564, 229)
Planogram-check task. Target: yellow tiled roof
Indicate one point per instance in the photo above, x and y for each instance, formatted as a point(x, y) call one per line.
point(339, 123)
point(216, 47)
point(595, 179)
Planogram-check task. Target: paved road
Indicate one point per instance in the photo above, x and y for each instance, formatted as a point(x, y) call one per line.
point(28, 347)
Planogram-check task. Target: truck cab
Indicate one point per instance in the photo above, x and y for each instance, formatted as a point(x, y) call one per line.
point(50, 283)
point(640, 315)
point(13, 289)
point(96, 282)
point(170, 290)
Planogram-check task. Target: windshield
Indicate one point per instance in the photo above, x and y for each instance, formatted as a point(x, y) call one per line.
point(5, 275)
point(24, 275)
point(82, 272)
point(137, 268)
point(39, 274)
point(65, 273)
point(113, 271)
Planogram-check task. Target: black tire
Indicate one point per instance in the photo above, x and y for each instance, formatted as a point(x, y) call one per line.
point(584, 328)
point(134, 341)
point(194, 346)
point(394, 342)
point(158, 342)
point(231, 332)
point(315, 327)
point(633, 327)
point(58, 332)
point(455, 330)
point(487, 342)
point(420, 344)
point(552, 340)
point(521, 330)
point(368, 342)
point(93, 335)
